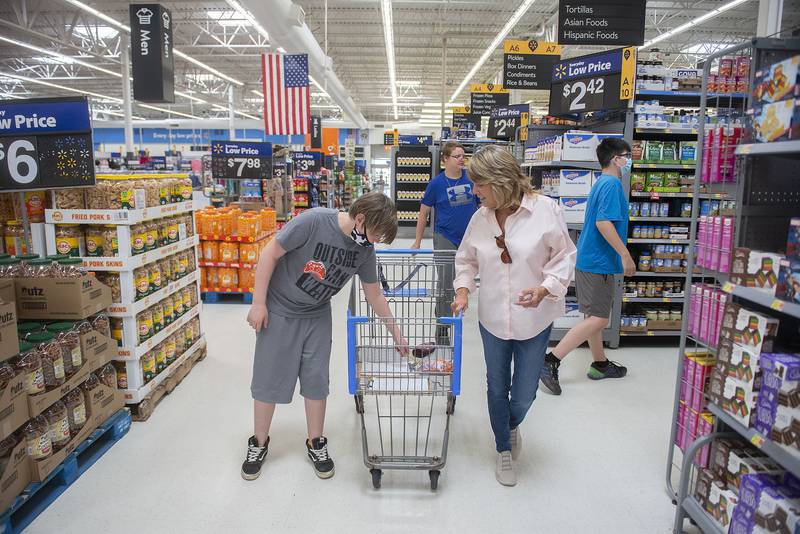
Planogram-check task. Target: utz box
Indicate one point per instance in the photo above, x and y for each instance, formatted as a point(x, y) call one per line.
point(9, 340)
point(752, 268)
point(748, 328)
point(788, 281)
point(15, 476)
point(574, 208)
point(579, 146)
point(61, 298)
point(575, 182)
point(14, 400)
point(777, 82)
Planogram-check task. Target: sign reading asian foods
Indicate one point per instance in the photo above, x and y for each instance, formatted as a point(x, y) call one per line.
point(529, 64)
point(484, 97)
point(504, 121)
point(610, 22)
point(594, 82)
point(152, 61)
point(237, 160)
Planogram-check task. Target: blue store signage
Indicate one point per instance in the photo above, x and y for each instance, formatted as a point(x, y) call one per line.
point(407, 140)
point(236, 160)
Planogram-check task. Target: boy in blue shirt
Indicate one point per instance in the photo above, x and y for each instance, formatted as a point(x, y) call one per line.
point(601, 255)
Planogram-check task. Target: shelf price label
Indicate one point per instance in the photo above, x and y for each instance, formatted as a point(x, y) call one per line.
point(757, 440)
point(45, 143)
point(236, 160)
point(594, 82)
point(504, 121)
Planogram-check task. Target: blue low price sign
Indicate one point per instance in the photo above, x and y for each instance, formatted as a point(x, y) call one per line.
point(594, 82)
point(307, 162)
point(239, 160)
point(409, 140)
point(45, 143)
point(505, 120)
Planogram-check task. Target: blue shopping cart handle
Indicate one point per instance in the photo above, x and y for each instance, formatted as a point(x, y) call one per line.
point(404, 251)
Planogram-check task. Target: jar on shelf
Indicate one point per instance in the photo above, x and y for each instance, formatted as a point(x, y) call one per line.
point(164, 192)
point(94, 241)
point(30, 364)
point(177, 304)
point(171, 349)
point(58, 421)
point(15, 238)
point(69, 199)
point(110, 240)
point(166, 271)
point(229, 252)
point(191, 261)
point(71, 267)
point(112, 280)
point(160, 354)
point(188, 221)
point(194, 300)
point(150, 236)
point(168, 306)
point(68, 338)
point(645, 260)
point(52, 360)
point(183, 264)
point(116, 329)
point(9, 268)
point(76, 410)
point(185, 189)
point(37, 438)
point(122, 374)
point(141, 279)
point(163, 232)
point(102, 324)
point(156, 277)
point(108, 376)
point(35, 204)
point(212, 277)
point(40, 268)
point(158, 317)
point(89, 385)
point(138, 239)
point(188, 335)
point(144, 324)
point(70, 240)
point(175, 266)
point(149, 366)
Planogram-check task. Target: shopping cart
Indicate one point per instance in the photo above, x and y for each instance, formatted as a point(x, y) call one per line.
point(413, 397)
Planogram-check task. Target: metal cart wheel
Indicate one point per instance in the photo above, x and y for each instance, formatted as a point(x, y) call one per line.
point(434, 474)
point(359, 403)
point(376, 478)
point(451, 405)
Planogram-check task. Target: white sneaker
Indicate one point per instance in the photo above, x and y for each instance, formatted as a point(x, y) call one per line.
point(516, 443)
point(504, 472)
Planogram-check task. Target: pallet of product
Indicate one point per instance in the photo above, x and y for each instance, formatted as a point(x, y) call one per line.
point(39, 495)
point(143, 410)
point(215, 295)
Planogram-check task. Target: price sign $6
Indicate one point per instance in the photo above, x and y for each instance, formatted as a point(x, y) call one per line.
point(19, 159)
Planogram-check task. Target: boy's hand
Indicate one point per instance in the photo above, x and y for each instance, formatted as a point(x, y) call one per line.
point(401, 345)
point(416, 245)
point(530, 298)
point(258, 316)
point(628, 265)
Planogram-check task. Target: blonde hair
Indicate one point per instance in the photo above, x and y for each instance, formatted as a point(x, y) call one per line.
point(380, 215)
point(496, 167)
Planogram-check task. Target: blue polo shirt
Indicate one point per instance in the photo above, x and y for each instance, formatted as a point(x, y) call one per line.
point(454, 202)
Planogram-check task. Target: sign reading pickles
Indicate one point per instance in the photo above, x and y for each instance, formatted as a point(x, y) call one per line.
point(529, 64)
point(237, 160)
point(590, 83)
point(484, 97)
point(505, 120)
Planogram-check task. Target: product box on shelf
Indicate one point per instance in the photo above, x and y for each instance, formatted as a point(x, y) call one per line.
point(788, 281)
point(704, 479)
point(9, 341)
point(575, 183)
point(748, 328)
point(746, 461)
point(571, 316)
point(574, 208)
point(778, 82)
point(752, 268)
point(14, 399)
point(721, 503)
point(778, 121)
point(61, 298)
point(15, 475)
point(579, 146)
point(793, 240)
point(767, 503)
point(778, 411)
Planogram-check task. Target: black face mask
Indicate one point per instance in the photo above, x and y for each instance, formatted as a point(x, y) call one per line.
point(359, 238)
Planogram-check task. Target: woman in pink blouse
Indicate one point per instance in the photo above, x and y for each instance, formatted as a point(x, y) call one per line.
point(519, 245)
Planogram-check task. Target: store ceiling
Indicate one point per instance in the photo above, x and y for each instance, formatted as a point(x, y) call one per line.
point(210, 32)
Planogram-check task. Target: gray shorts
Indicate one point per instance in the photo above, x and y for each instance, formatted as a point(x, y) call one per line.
point(288, 349)
point(595, 293)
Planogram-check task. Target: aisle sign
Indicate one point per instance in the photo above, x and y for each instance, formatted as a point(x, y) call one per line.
point(415, 140)
point(45, 143)
point(594, 82)
point(279, 170)
point(151, 53)
point(484, 97)
point(316, 132)
point(390, 138)
point(237, 160)
point(504, 121)
point(528, 64)
point(464, 118)
point(611, 22)
point(307, 161)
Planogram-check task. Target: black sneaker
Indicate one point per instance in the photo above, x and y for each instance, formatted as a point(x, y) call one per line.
point(256, 455)
point(610, 370)
point(549, 375)
point(318, 454)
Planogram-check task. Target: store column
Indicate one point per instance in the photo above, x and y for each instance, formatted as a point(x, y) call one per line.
point(126, 93)
point(770, 13)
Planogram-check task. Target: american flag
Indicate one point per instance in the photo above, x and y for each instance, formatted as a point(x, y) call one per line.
point(286, 94)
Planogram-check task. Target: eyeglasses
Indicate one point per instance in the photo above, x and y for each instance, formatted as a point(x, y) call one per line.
point(500, 241)
point(459, 156)
point(625, 155)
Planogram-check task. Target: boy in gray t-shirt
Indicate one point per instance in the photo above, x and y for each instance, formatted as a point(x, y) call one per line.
point(309, 261)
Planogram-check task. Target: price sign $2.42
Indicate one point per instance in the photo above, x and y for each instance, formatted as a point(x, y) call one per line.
point(577, 93)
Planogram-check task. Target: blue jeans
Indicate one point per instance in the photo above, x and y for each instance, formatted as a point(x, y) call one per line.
point(510, 398)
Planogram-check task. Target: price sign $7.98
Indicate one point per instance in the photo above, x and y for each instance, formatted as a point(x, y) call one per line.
point(19, 163)
point(576, 93)
point(244, 163)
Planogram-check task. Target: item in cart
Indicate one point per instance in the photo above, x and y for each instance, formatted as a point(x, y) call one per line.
point(37, 438)
point(144, 325)
point(58, 423)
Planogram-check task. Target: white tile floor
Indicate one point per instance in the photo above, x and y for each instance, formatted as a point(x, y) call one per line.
point(593, 459)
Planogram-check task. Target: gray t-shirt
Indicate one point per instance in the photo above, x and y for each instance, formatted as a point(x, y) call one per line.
point(319, 261)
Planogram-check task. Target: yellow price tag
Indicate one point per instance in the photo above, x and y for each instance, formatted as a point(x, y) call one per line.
point(777, 305)
point(651, 333)
point(757, 440)
point(728, 287)
point(625, 299)
point(745, 149)
point(666, 299)
point(690, 195)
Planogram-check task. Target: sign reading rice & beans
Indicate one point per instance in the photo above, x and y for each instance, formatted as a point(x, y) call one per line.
point(237, 160)
point(589, 83)
point(529, 64)
point(484, 97)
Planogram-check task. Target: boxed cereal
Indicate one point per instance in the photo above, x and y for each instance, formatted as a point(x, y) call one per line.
point(752, 268)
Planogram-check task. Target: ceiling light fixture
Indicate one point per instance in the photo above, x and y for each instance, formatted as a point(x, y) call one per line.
point(190, 97)
point(521, 10)
point(388, 37)
point(694, 22)
point(165, 110)
point(257, 93)
point(59, 56)
point(62, 87)
point(240, 9)
point(178, 53)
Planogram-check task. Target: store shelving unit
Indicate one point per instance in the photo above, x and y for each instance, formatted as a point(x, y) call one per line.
point(766, 197)
point(410, 177)
point(131, 350)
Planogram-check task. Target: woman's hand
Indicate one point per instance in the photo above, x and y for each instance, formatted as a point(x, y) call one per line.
point(461, 302)
point(258, 316)
point(530, 298)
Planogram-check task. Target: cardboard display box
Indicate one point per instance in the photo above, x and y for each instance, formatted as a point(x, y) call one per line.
point(15, 477)
point(749, 329)
point(574, 208)
point(68, 299)
point(14, 400)
point(7, 292)
point(759, 270)
point(575, 182)
point(9, 340)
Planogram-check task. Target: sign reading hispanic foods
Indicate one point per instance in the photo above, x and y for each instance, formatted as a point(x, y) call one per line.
point(590, 83)
point(237, 160)
point(505, 120)
point(528, 64)
point(151, 53)
point(611, 22)
point(484, 97)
